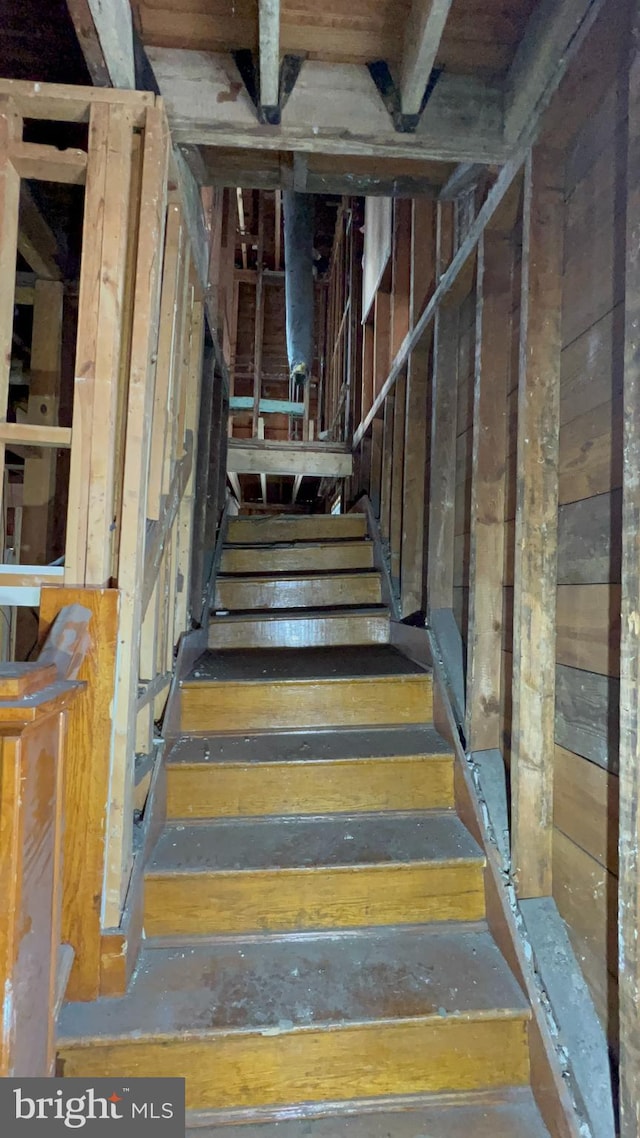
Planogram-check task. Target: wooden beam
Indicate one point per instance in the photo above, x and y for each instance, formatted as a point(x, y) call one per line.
point(48, 164)
point(263, 477)
point(334, 108)
point(269, 29)
point(10, 133)
point(553, 35)
point(489, 458)
point(259, 320)
point(423, 32)
point(112, 23)
point(286, 459)
point(90, 45)
point(387, 467)
point(415, 488)
point(443, 460)
point(536, 526)
point(397, 479)
point(235, 486)
point(629, 827)
point(36, 242)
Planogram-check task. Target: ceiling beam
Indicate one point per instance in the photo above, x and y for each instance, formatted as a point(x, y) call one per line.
point(269, 23)
point(105, 33)
point(423, 33)
point(552, 37)
point(334, 108)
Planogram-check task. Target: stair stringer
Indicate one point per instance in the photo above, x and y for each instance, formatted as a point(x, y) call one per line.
point(548, 1068)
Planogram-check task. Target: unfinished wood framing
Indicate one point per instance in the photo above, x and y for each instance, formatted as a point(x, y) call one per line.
point(443, 460)
point(489, 457)
point(536, 526)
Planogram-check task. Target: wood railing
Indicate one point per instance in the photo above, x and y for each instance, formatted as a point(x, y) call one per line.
point(36, 701)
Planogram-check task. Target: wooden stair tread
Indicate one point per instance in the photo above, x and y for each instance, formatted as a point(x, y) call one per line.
point(272, 664)
point(306, 575)
point(506, 1113)
point(334, 745)
point(279, 985)
point(311, 527)
point(247, 845)
point(327, 612)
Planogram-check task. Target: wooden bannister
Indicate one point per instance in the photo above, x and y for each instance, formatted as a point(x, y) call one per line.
point(34, 702)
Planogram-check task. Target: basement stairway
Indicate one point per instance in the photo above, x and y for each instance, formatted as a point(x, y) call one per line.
point(317, 960)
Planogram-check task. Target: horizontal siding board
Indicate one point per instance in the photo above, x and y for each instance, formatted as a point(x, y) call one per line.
point(587, 715)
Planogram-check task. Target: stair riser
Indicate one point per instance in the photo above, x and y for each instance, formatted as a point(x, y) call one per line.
point(317, 527)
point(300, 559)
point(317, 632)
point(182, 904)
point(254, 790)
point(286, 704)
point(363, 1061)
point(330, 591)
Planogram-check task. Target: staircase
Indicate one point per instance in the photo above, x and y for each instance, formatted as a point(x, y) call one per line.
point(316, 960)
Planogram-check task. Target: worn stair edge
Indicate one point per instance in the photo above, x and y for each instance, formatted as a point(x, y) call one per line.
point(299, 629)
point(357, 587)
point(504, 1112)
point(201, 790)
point(328, 745)
point(293, 557)
point(313, 527)
point(251, 705)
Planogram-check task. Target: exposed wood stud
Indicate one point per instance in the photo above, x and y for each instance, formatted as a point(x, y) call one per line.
point(536, 526)
point(269, 25)
point(10, 133)
point(443, 460)
point(415, 487)
point(489, 456)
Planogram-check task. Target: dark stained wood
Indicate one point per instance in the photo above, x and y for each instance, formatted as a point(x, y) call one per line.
point(487, 529)
point(415, 483)
point(443, 460)
point(397, 478)
point(588, 552)
point(387, 469)
point(536, 525)
point(587, 715)
point(629, 868)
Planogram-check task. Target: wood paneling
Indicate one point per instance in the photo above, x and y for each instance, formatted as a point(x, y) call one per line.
point(587, 715)
point(585, 806)
point(588, 628)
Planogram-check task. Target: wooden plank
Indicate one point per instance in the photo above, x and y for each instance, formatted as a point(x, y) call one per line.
point(10, 133)
point(113, 221)
point(401, 275)
point(629, 894)
point(587, 554)
point(375, 479)
point(415, 484)
point(283, 459)
point(536, 525)
point(49, 164)
point(588, 628)
point(42, 410)
point(587, 715)
point(443, 460)
point(269, 31)
point(423, 31)
point(87, 763)
point(386, 469)
point(86, 348)
point(139, 419)
point(585, 806)
point(397, 478)
point(285, 591)
point(113, 25)
point(85, 29)
point(68, 103)
point(462, 121)
point(422, 254)
point(36, 241)
point(487, 531)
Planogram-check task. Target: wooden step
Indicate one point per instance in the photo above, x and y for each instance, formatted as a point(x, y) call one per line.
point(281, 689)
point(308, 628)
point(285, 591)
point(296, 773)
point(509, 1112)
point(299, 557)
point(281, 1021)
point(291, 874)
point(308, 527)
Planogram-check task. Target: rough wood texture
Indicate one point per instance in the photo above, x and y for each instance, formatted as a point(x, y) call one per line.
point(415, 485)
point(306, 629)
point(536, 526)
point(323, 527)
point(443, 460)
point(486, 559)
point(284, 591)
point(629, 896)
point(88, 757)
point(298, 558)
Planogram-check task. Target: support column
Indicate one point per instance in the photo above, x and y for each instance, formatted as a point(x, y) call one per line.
point(442, 498)
point(536, 546)
point(486, 570)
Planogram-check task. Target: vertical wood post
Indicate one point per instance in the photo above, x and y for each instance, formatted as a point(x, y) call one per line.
point(397, 476)
point(386, 475)
point(413, 509)
point(144, 338)
point(10, 132)
point(629, 833)
point(536, 548)
point(491, 385)
point(442, 497)
point(377, 431)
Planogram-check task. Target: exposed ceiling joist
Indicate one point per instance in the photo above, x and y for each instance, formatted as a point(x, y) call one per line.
point(542, 58)
point(333, 109)
point(105, 32)
point(269, 20)
point(423, 33)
